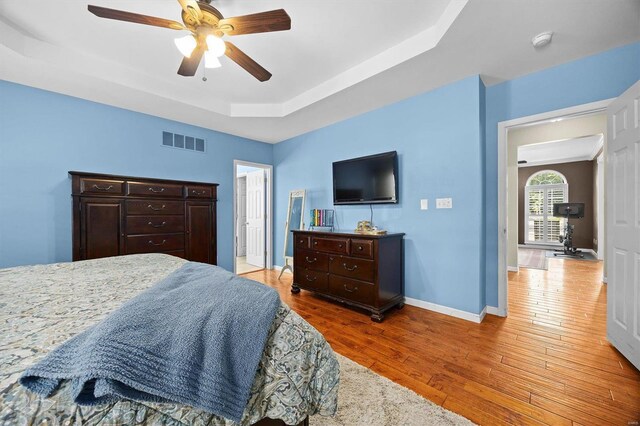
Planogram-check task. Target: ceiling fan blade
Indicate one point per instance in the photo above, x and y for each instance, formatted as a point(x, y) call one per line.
point(274, 20)
point(251, 66)
point(120, 15)
point(189, 65)
point(192, 8)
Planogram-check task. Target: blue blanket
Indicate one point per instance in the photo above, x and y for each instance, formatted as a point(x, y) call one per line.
point(194, 338)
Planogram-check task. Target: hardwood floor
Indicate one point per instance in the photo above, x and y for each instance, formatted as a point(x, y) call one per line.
point(547, 363)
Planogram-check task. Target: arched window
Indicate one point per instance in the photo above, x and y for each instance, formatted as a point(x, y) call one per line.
point(544, 189)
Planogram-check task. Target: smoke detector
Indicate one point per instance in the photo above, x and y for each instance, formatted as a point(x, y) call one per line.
point(542, 39)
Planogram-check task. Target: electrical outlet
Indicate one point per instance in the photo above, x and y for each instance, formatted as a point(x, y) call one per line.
point(444, 203)
point(424, 204)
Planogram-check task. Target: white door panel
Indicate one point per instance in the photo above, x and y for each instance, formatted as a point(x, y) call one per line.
point(623, 224)
point(256, 218)
point(241, 216)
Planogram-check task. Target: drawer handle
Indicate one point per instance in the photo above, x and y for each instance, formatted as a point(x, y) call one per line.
point(300, 241)
point(193, 191)
point(156, 190)
point(309, 279)
point(339, 245)
point(349, 289)
point(315, 243)
point(157, 244)
point(157, 226)
point(102, 188)
point(155, 209)
point(344, 265)
point(360, 248)
point(310, 260)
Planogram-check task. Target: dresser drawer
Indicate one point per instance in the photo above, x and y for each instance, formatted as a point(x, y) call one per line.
point(356, 291)
point(101, 186)
point(302, 241)
point(331, 245)
point(155, 207)
point(198, 191)
point(154, 243)
point(154, 189)
point(314, 280)
point(351, 267)
point(154, 224)
point(362, 248)
point(311, 260)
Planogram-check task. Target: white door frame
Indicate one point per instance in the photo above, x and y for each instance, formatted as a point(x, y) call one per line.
point(503, 128)
point(268, 168)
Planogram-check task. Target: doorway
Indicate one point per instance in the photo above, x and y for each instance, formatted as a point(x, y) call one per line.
point(252, 213)
point(508, 183)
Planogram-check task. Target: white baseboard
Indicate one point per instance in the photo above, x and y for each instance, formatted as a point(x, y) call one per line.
point(513, 269)
point(469, 316)
point(279, 268)
point(493, 310)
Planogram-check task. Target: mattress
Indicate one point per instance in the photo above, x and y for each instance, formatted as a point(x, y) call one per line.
point(42, 306)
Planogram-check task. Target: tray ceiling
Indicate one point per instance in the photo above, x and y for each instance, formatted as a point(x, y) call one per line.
point(341, 58)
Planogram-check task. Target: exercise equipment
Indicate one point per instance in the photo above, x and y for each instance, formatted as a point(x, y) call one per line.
point(568, 211)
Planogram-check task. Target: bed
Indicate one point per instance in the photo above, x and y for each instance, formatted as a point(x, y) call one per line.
point(44, 305)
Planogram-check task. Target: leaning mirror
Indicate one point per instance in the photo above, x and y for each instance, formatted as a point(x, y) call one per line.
point(295, 220)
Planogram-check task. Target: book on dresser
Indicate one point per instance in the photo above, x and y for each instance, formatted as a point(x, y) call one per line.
point(363, 271)
point(116, 215)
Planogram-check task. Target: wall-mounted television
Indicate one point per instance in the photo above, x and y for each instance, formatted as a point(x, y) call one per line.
point(366, 180)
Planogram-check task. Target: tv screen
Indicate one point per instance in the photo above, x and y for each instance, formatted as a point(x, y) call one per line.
point(366, 180)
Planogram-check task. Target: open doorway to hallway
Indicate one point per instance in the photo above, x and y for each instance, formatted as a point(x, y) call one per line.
point(559, 166)
point(252, 225)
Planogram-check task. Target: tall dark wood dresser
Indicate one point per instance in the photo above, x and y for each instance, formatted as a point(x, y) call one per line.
point(117, 215)
point(365, 271)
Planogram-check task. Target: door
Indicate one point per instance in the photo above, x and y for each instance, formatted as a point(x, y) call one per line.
point(255, 218)
point(200, 223)
point(241, 216)
point(101, 228)
point(623, 224)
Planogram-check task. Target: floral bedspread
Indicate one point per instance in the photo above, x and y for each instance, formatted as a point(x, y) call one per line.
point(42, 306)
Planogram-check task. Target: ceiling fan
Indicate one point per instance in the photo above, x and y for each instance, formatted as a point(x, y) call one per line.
point(207, 27)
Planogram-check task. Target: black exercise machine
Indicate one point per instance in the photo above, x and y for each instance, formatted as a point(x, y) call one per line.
point(568, 211)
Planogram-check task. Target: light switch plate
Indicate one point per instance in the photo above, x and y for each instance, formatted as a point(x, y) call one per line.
point(424, 204)
point(444, 203)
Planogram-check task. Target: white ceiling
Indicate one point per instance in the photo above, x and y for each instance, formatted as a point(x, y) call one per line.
point(563, 151)
point(340, 59)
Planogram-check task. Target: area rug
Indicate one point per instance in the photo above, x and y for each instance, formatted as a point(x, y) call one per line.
point(532, 259)
point(368, 399)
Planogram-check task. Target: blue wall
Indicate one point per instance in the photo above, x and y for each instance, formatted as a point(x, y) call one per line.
point(602, 76)
point(440, 146)
point(44, 134)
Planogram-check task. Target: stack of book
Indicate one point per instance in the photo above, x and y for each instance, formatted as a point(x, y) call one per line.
point(322, 217)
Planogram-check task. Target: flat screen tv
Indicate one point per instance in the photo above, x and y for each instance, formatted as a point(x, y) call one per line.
point(366, 180)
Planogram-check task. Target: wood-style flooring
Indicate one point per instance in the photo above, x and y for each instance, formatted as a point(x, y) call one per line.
point(548, 363)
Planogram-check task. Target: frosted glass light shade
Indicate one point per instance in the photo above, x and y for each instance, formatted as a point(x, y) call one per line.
point(211, 60)
point(186, 45)
point(215, 45)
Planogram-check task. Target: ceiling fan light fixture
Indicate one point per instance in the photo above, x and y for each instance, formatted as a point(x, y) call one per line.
point(215, 45)
point(186, 45)
point(211, 60)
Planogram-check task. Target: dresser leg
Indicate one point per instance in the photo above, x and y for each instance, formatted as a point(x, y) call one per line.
point(377, 316)
point(400, 305)
point(295, 289)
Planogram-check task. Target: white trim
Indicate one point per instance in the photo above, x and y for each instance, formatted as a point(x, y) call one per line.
point(604, 279)
point(503, 127)
point(513, 268)
point(551, 162)
point(493, 310)
point(469, 316)
point(268, 168)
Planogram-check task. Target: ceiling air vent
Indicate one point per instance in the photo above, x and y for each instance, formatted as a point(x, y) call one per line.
point(189, 143)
